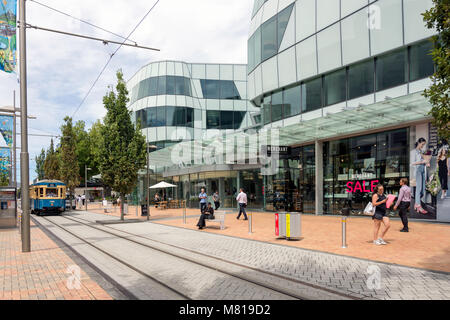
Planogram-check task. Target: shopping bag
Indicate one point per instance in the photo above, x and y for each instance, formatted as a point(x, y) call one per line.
point(369, 210)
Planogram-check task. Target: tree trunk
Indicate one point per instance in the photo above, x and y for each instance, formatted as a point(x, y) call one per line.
point(121, 207)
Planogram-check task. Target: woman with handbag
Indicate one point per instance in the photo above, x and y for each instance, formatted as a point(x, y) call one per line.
point(444, 171)
point(379, 200)
point(403, 203)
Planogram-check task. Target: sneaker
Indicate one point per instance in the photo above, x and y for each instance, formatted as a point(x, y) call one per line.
point(382, 241)
point(404, 230)
point(377, 242)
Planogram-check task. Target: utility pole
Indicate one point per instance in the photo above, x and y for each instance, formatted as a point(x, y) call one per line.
point(148, 179)
point(14, 141)
point(24, 156)
point(86, 186)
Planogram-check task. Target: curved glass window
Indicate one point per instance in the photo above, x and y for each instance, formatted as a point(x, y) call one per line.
point(165, 117)
point(267, 39)
point(223, 120)
point(391, 69)
point(170, 85)
point(220, 89)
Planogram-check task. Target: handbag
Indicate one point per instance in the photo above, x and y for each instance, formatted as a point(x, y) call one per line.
point(433, 186)
point(369, 210)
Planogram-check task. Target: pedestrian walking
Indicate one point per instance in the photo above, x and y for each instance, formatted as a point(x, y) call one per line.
point(242, 200)
point(203, 197)
point(216, 199)
point(80, 202)
point(379, 200)
point(403, 203)
point(83, 199)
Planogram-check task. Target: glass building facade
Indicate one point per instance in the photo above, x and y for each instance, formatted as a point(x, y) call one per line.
point(339, 82)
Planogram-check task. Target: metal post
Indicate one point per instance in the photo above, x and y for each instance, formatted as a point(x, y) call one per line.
point(85, 187)
point(148, 179)
point(344, 232)
point(184, 213)
point(250, 223)
point(24, 156)
point(15, 142)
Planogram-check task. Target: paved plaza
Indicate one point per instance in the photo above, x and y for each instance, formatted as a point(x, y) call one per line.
point(43, 274)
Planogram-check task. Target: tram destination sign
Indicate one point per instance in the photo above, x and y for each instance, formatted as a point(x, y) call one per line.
point(280, 150)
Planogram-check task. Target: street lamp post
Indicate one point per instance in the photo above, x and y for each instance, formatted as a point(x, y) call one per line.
point(24, 155)
point(86, 169)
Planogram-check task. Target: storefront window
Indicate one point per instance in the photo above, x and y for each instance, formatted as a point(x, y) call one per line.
point(352, 166)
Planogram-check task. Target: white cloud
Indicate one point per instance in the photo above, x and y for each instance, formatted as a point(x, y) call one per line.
point(61, 69)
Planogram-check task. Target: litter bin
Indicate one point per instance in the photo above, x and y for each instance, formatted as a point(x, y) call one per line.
point(288, 225)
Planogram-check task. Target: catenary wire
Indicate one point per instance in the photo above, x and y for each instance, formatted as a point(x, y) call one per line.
point(81, 20)
point(110, 58)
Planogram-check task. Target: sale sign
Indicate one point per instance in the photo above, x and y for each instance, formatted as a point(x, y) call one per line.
point(360, 186)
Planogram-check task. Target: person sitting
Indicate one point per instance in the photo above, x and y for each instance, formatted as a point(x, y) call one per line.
point(207, 213)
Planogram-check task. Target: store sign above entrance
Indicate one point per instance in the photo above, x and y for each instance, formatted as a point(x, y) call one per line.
point(280, 150)
point(360, 186)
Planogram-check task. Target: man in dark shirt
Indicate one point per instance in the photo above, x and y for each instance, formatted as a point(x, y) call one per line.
point(207, 213)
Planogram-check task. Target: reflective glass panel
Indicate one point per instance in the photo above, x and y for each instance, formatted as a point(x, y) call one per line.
point(291, 102)
point(277, 106)
point(170, 85)
point(312, 95)
point(335, 87)
point(226, 120)
point(391, 70)
point(361, 79)
point(162, 85)
point(421, 61)
point(283, 20)
point(212, 119)
point(269, 38)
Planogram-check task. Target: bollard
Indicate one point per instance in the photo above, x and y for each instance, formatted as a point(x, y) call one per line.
point(250, 226)
point(344, 232)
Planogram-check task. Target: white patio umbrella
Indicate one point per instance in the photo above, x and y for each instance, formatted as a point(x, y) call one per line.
point(163, 185)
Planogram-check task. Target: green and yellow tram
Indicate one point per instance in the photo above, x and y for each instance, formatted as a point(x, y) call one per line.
point(48, 197)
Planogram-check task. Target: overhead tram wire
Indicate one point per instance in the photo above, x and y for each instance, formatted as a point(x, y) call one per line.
point(83, 21)
point(110, 58)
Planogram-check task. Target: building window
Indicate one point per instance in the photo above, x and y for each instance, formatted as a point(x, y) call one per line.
point(421, 61)
point(226, 120)
point(220, 89)
point(170, 85)
point(291, 102)
point(391, 70)
point(312, 95)
point(283, 20)
point(361, 79)
point(277, 106)
point(335, 87)
point(238, 118)
point(213, 119)
point(269, 38)
point(266, 110)
point(162, 85)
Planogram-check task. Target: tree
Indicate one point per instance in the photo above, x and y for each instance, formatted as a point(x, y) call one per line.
point(95, 144)
point(122, 152)
point(438, 94)
point(51, 163)
point(69, 164)
point(40, 161)
point(82, 148)
point(4, 179)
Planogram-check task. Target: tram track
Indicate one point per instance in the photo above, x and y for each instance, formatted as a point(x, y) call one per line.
point(212, 263)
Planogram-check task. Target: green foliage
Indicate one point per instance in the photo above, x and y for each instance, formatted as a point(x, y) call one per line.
point(51, 164)
point(40, 161)
point(122, 152)
point(69, 168)
point(82, 149)
point(438, 17)
point(4, 179)
point(95, 143)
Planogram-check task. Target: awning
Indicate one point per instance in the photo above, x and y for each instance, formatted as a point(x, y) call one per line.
point(354, 120)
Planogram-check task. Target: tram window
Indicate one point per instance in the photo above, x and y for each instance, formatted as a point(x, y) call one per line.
point(41, 192)
point(52, 193)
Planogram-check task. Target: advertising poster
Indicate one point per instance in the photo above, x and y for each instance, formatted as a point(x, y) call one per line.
point(6, 131)
point(5, 161)
point(8, 38)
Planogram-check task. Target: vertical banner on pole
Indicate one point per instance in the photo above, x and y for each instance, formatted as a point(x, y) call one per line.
point(288, 225)
point(8, 10)
point(6, 145)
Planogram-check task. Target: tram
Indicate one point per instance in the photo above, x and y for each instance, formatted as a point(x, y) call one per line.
point(48, 197)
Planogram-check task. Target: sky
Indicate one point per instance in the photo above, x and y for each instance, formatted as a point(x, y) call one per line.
point(61, 69)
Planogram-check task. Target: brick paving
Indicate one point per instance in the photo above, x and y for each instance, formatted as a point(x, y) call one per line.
point(41, 274)
point(426, 246)
point(343, 274)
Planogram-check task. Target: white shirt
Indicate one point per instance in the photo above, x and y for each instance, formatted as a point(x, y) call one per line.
point(242, 198)
point(105, 203)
